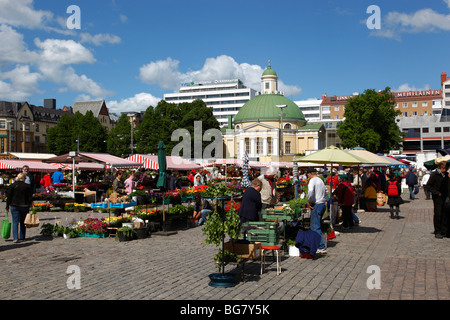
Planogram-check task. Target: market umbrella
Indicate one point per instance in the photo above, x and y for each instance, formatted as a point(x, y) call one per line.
point(245, 183)
point(162, 180)
point(432, 164)
point(333, 155)
point(370, 156)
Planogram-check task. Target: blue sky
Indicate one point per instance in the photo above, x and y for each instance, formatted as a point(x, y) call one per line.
point(130, 53)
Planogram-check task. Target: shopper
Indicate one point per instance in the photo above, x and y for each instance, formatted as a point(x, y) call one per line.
point(46, 181)
point(130, 183)
point(251, 202)
point(29, 178)
point(411, 181)
point(438, 186)
point(424, 182)
point(393, 190)
point(344, 194)
point(268, 189)
point(317, 197)
point(57, 176)
point(19, 199)
point(118, 185)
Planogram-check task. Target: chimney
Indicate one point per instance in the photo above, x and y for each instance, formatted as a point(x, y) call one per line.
point(50, 104)
point(443, 78)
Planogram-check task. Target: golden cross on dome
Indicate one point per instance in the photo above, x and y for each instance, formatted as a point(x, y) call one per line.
point(269, 63)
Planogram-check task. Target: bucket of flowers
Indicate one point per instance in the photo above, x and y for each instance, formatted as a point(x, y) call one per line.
point(93, 227)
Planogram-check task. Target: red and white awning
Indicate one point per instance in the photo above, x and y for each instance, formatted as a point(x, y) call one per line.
point(35, 166)
point(172, 162)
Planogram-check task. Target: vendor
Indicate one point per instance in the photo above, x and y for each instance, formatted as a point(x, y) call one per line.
point(118, 185)
point(130, 184)
point(251, 203)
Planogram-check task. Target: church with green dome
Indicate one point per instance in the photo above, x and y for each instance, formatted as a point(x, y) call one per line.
point(271, 127)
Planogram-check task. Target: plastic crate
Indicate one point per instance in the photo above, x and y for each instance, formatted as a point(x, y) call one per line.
point(122, 205)
point(265, 239)
point(103, 205)
point(279, 217)
point(261, 225)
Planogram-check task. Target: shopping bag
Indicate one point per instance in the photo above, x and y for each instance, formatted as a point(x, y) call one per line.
point(31, 220)
point(416, 189)
point(6, 227)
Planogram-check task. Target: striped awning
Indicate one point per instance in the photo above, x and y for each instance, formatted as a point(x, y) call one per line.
point(35, 166)
point(172, 162)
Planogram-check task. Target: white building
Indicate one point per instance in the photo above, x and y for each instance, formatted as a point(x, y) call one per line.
point(226, 97)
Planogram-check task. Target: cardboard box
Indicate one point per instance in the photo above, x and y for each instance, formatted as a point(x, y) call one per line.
point(138, 225)
point(245, 250)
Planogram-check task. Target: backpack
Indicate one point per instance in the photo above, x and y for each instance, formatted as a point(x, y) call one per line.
point(392, 188)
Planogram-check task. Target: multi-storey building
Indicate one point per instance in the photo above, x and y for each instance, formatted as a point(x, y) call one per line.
point(24, 127)
point(226, 97)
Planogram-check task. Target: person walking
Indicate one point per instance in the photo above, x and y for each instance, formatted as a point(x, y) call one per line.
point(19, 199)
point(393, 190)
point(411, 181)
point(57, 176)
point(438, 187)
point(424, 182)
point(251, 202)
point(317, 198)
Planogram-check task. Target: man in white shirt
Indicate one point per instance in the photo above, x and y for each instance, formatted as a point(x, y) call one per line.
point(317, 198)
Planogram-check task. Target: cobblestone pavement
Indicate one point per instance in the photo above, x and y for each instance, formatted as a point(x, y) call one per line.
point(413, 265)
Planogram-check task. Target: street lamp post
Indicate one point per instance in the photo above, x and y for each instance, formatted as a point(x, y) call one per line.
point(9, 142)
point(131, 115)
point(281, 130)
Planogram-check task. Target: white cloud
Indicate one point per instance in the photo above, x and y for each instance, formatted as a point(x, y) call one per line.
point(140, 102)
point(406, 87)
point(16, 51)
point(425, 20)
point(20, 13)
point(63, 52)
point(19, 83)
point(100, 38)
point(165, 73)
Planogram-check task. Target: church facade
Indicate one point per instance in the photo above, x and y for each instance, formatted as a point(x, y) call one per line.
point(271, 127)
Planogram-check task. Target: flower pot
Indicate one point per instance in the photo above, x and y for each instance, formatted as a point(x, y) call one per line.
point(222, 280)
point(141, 233)
point(122, 237)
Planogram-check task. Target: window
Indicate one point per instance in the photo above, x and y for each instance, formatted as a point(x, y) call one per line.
point(247, 145)
point(425, 130)
point(414, 104)
point(36, 139)
point(446, 129)
point(287, 126)
point(425, 113)
point(27, 138)
point(2, 124)
point(269, 146)
point(336, 108)
point(287, 148)
point(396, 105)
point(425, 104)
point(437, 129)
point(37, 127)
point(414, 113)
point(336, 117)
point(405, 114)
point(259, 146)
point(405, 104)
point(267, 85)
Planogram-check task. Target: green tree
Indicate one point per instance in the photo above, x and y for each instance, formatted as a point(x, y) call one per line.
point(370, 122)
point(160, 122)
point(119, 138)
point(63, 137)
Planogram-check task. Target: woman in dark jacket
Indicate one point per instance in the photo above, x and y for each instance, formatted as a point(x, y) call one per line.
point(19, 199)
point(394, 191)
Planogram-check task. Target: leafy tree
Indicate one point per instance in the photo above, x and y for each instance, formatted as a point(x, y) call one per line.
point(119, 139)
point(370, 122)
point(160, 122)
point(63, 137)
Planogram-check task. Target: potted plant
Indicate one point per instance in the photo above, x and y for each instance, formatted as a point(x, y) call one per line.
point(125, 234)
point(219, 224)
point(293, 250)
point(47, 229)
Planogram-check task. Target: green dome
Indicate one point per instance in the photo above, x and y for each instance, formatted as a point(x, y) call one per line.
point(264, 107)
point(269, 72)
